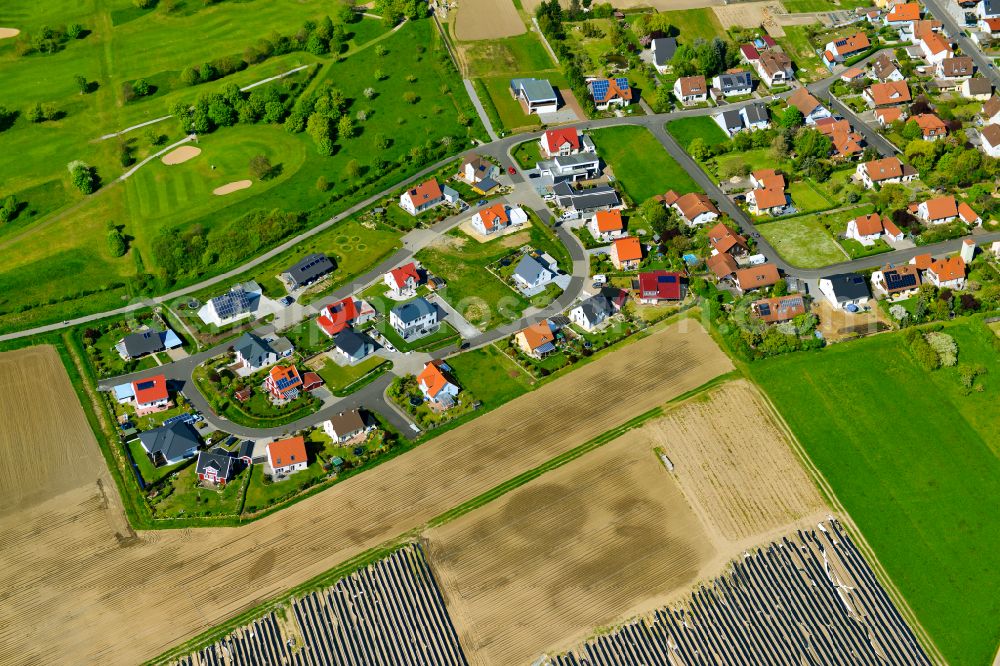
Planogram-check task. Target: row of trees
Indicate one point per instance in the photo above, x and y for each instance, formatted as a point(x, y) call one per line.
point(49, 39)
point(707, 58)
point(230, 106)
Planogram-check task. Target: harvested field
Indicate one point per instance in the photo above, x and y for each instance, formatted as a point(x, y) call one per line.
point(743, 14)
point(735, 463)
point(487, 19)
point(7, 33)
point(74, 595)
point(46, 441)
point(807, 598)
point(181, 155)
point(229, 188)
point(391, 607)
point(582, 546)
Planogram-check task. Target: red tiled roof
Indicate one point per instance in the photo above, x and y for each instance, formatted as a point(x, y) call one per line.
point(952, 268)
point(779, 308)
point(493, 215)
point(628, 249)
point(909, 11)
point(857, 42)
point(935, 43)
point(922, 261)
point(426, 191)
point(554, 139)
point(337, 316)
point(400, 274)
point(694, 204)
point(768, 197)
point(609, 220)
point(888, 115)
point(614, 91)
point(311, 380)
point(755, 277)
point(803, 100)
point(884, 169)
point(287, 452)
point(538, 334)
point(722, 264)
point(967, 214)
point(693, 85)
point(750, 51)
point(433, 378)
point(941, 207)
point(663, 285)
point(723, 239)
point(890, 92)
point(151, 389)
point(869, 225)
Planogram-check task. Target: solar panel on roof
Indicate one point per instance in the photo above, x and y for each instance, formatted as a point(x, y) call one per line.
point(900, 280)
point(764, 309)
point(669, 279)
point(599, 88)
point(149, 383)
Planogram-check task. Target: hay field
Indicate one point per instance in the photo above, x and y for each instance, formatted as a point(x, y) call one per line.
point(734, 462)
point(45, 442)
point(487, 19)
point(580, 547)
point(74, 595)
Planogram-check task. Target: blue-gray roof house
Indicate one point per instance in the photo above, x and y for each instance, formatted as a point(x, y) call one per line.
point(307, 270)
point(417, 318)
point(531, 272)
point(136, 345)
point(353, 345)
point(537, 95)
point(170, 444)
point(254, 353)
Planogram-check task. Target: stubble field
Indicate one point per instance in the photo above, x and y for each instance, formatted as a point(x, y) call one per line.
point(487, 19)
point(75, 594)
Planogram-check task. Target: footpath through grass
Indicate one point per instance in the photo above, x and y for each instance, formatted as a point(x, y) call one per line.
point(915, 462)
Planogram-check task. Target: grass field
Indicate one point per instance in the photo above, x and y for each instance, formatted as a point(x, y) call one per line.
point(510, 110)
point(489, 375)
point(757, 158)
point(522, 54)
point(803, 242)
point(806, 198)
point(808, 6)
point(687, 130)
point(339, 377)
point(797, 46)
point(640, 163)
point(692, 24)
point(918, 470)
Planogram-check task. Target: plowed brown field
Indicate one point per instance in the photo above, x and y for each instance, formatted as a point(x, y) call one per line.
point(72, 594)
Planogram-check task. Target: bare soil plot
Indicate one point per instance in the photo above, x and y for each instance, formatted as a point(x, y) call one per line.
point(7, 33)
point(580, 547)
point(45, 441)
point(74, 595)
point(744, 14)
point(735, 462)
point(510, 235)
point(837, 325)
point(487, 19)
point(229, 188)
point(181, 155)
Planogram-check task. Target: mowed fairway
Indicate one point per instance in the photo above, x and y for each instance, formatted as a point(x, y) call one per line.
point(915, 462)
point(581, 547)
point(74, 596)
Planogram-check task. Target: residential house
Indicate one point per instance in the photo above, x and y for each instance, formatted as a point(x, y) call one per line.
point(845, 290)
point(215, 466)
point(239, 302)
point(626, 253)
point(353, 346)
point(170, 444)
point(150, 341)
point(663, 50)
point(403, 280)
point(417, 318)
point(991, 26)
point(779, 308)
point(885, 69)
point(695, 208)
point(724, 240)
point(755, 116)
point(991, 140)
point(935, 48)
point(533, 272)
point(607, 225)
point(592, 313)
point(749, 54)
point(306, 271)
point(479, 172)
point(537, 340)
point(852, 74)
point(691, 90)
point(931, 127)
point(734, 82)
point(535, 95)
point(287, 456)
point(991, 111)
point(845, 143)
point(756, 277)
point(731, 121)
point(901, 17)
point(810, 107)
point(610, 92)
point(653, 287)
point(565, 141)
point(283, 382)
point(764, 178)
point(570, 168)
point(150, 395)
point(311, 381)
point(254, 353)
point(867, 229)
point(896, 282)
point(978, 88)
point(957, 67)
point(722, 264)
point(584, 201)
point(885, 170)
point(942, 210)
point(947, 273)
point(889, 114)
point(890, 93)
point(438, 385)
point(423, 197)
point(840, 50)
point(770, 198)
point(345, 426)
point(498, 217)
point(343, 314)
point(774, 68)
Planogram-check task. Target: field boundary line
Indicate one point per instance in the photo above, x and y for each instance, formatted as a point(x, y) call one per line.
point(934, 652)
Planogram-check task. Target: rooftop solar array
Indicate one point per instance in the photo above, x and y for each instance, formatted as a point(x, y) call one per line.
point(599, 88)
point(670, 279)
point(232, 303)
point(896, 280)
point(764, 309)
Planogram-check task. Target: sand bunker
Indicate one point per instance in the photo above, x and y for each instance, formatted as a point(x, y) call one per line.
point(229, 188)
point(6, 33)
point(182, 154)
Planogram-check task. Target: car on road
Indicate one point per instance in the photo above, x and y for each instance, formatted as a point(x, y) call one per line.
point(511, 170)
point(482, 202)
point(286, 301)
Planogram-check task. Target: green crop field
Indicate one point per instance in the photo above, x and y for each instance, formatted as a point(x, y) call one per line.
point(687, 130)
point(915, 462)
point(640, 163)
point(806, 6)
point(803, 242)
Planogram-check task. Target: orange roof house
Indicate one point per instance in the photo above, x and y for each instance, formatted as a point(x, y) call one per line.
point(846, 142)
point(968, 215)
point(494, 216)
point(537, 339)
point(403, 278)
point(421, 197)
point(283, 382)
point(888, 115)
point(288, 455)
point(779, 308)
point(626, 253)
point(696, 208)
point(930, 125)
point(907, 11)
point(151, 389)
point(723, 240)
point(722, 264)
point(561, 140)
point(889, 93)
point(437, 384)
point(922, 261)
point(609, 220)
point(757, 277)
point(950, 270)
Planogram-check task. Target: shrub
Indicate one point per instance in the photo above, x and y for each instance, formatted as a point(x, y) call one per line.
point(116, 243)
point(260, 167)
point(84, 176)
point(75, 31)
point(922, 351)
point(945, 347)
point(967, 374)
point(141, 87)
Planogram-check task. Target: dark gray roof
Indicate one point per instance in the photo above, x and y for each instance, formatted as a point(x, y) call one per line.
point(735, 81)
point(172, 441)
point(597, 308)
point(594, 197)
point(663, 50)
point(756, 113)
point(732, 119)
point(980, 86)
point(253, 349)
point(142, 343)
point(246, 449)
point(234, 302)
point(848, 286)
point(309, 268)
point(414, 310)
point(351, 342)
point(220, 459)
point(530, 269)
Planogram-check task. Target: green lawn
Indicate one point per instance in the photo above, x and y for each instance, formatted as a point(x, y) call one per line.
point(640, 163)
point(857, 250)
point(339, 377)
point(185, 498)
point(803, 242)
point(527, 154)
point(692, 24)
point(808, 199)
point(150, 474)
point(687, 130)
point(757, 158)
point(797, 46)
point(489, 375)
point(511, 113)
point(809, 6)
point(915, 462)
point(523, 55)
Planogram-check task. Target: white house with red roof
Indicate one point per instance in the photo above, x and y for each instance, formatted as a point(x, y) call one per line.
point(150, 395)
point(497, 218)
point(610, 92)
point(345, 313)
point(841, 49)
point(403, 280)
point(694, 207)
point(565, 141)
point(425, 196)
point(287, 456)
point(437, 385)
point(868, 229)
point(607, 225)
point(942, 210)
point(947, 273)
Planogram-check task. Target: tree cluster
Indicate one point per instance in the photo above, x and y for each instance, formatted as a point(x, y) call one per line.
point(230, 106)
point(42, 111)
point(394, 11)
point(707, 58)
point(9, 208)
point(49, 39)
point(550, 18)
point(84, 177)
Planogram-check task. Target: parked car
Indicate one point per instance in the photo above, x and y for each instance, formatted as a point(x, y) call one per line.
point(482, 202)
point(511, 170)
point(286, 301)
